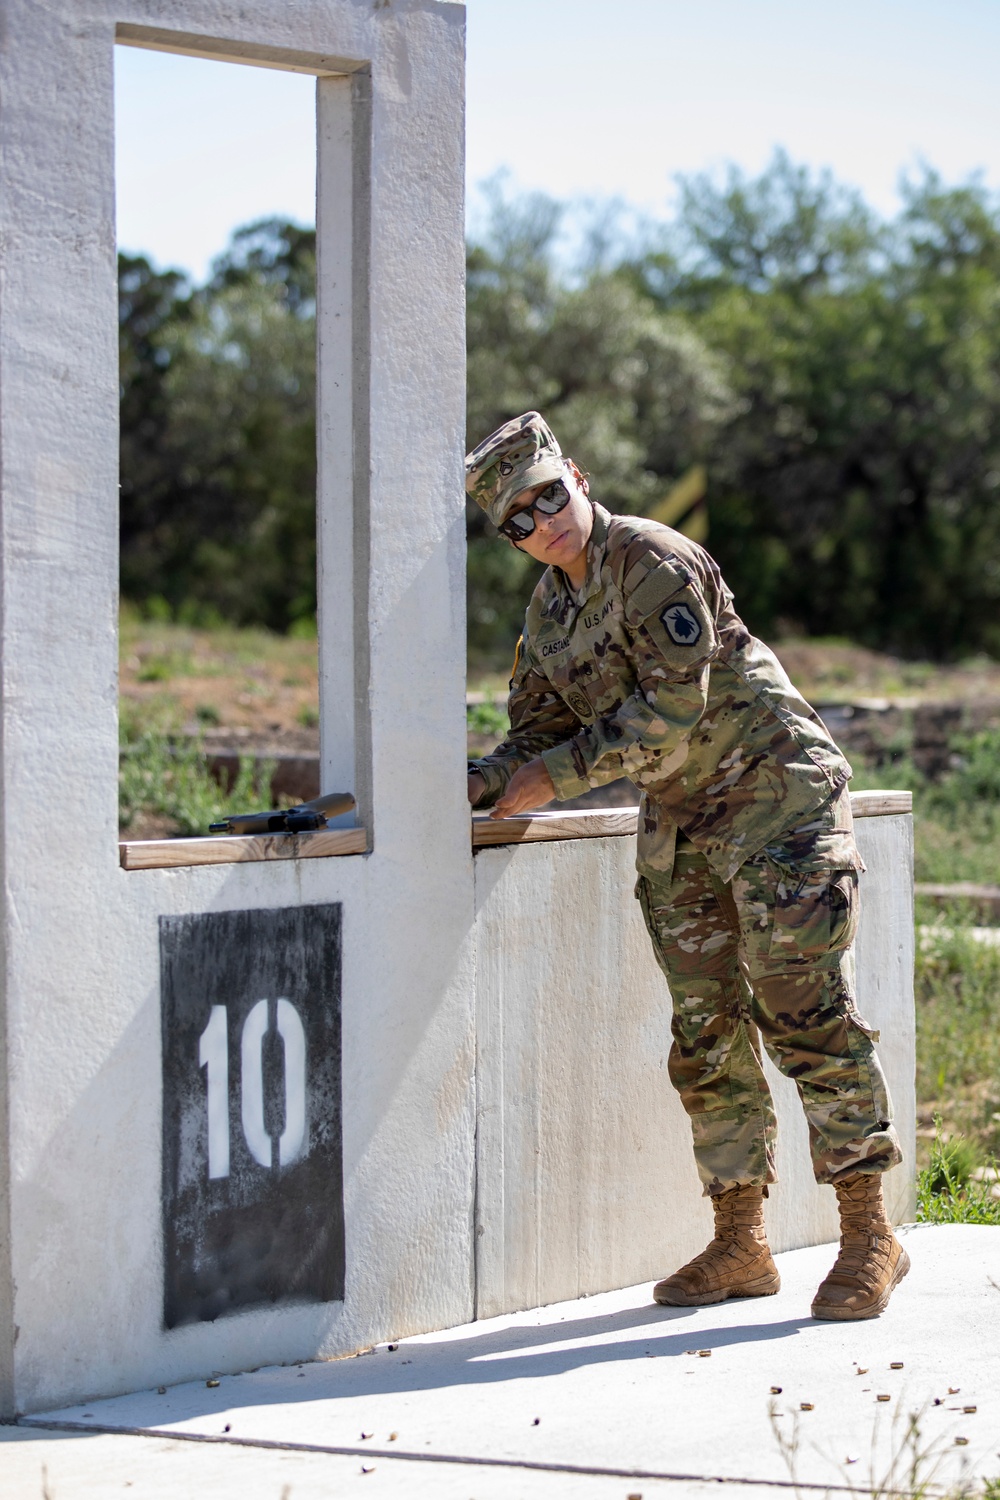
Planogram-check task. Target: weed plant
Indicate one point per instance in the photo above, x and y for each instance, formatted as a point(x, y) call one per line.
point(947, 1191)
point(166, 774)
point(909, 1470)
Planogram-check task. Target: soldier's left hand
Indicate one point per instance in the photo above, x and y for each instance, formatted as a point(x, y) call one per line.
point(529, 787)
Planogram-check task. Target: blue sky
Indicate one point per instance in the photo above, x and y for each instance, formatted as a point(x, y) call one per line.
point(586, 98)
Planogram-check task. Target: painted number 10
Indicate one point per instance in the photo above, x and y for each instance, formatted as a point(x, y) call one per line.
point(213, 1055)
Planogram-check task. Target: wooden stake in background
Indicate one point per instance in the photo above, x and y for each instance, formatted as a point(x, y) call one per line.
point(685, 507)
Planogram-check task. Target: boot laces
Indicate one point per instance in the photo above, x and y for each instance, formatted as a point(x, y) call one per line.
point(739, 1225)
point(866, 1234)
point(738, 1210)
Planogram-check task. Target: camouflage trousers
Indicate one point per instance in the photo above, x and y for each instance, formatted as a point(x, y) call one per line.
point(762, 958)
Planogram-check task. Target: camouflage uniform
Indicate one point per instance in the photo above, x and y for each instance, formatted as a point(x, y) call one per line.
point(746, 856)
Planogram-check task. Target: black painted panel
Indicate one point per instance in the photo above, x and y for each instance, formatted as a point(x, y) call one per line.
point(268, 1224)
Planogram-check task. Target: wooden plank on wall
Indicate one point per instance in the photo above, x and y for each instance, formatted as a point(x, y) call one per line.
point(537, 827)
point(605, 822)
point(881, 804)
point(602, 822)
point(165, 854)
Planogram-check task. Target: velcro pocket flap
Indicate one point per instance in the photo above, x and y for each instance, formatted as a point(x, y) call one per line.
point(659, 585)
point(832, 849)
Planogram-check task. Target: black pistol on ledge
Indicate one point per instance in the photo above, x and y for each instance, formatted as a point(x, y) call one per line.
point(302, 819)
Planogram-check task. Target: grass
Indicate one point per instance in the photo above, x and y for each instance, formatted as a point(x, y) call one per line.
point(956, 982)
point(224, 678)
point(165, 786)
point(957, 988)
point(956, 819)
point(487, 719)
point(948, 1192)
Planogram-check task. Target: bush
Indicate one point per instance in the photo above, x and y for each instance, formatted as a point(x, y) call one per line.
point(487, 719)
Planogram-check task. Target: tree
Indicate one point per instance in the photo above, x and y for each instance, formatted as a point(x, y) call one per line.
point(219, 435)
point(855, 484)
point(838, 379)
point(634, 395)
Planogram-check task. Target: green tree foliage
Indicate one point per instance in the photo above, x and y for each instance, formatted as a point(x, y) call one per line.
point(839, 378)
point(856, 486)
point(219, 432)
point(632, 392)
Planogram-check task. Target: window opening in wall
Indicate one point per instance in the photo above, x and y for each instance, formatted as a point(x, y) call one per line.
point(218, 697)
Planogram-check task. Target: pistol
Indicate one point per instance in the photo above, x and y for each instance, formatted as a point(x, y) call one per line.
point(302, 819)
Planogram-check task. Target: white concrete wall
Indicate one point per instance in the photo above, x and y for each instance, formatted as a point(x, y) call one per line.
point(80, 1263)
point(586, 1180)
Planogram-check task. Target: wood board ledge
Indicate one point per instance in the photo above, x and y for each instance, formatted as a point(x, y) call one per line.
point(171, 854)
point(881, 804)
point(531, 828)
point(609, 822)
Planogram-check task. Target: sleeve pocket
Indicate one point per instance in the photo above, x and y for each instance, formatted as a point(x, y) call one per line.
point(682, 629)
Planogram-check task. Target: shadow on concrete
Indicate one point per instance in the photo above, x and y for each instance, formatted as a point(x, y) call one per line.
point(433, 1363)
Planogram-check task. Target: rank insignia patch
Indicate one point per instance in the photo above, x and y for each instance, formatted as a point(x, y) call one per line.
point(682, 626)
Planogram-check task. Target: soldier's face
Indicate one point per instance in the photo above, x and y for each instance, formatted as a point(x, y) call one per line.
point(559, 541)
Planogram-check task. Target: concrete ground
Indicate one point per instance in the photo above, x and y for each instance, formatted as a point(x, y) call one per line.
point(602, 1399)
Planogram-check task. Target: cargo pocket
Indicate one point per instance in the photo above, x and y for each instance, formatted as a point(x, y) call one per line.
point(815, 912)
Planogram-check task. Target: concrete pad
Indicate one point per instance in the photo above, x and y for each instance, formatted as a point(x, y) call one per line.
point(606, 1396)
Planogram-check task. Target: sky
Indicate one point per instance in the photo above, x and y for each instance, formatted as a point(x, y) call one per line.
point(589, 99)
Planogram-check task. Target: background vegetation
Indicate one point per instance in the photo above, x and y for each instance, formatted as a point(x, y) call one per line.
point(218, 434)
point(838, 376)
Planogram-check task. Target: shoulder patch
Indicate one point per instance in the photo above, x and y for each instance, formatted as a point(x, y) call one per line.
point(682, 626)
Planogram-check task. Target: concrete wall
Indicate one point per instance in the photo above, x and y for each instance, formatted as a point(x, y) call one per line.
point(586, 1179)
point(81, 1279)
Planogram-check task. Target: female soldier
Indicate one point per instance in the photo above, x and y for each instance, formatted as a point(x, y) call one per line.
point(634, 663)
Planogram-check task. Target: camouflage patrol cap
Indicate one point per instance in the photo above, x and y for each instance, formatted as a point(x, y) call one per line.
point(520, 454)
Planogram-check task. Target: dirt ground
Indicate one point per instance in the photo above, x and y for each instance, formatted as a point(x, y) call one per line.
point(245, 688)
point(248, 689)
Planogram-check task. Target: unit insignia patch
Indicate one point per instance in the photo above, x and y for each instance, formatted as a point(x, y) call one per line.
point(681, 624)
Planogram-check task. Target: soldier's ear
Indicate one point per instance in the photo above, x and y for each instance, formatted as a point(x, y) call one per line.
point(581, 478)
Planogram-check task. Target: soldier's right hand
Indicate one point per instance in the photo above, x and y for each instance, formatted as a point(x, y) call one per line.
point(477, 786)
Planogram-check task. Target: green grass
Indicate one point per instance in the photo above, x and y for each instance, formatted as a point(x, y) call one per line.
point(956, 819)
point(947, 1192)
point(165, 774)
point(957, 989)
point(957, 977)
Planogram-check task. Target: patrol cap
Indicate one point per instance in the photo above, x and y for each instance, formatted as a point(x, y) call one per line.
point(519, 455)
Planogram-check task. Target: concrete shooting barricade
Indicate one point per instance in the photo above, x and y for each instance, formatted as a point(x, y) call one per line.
point(173, 1200)
point(239, 1077)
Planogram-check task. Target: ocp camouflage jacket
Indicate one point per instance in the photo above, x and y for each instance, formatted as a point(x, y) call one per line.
point(648, 672)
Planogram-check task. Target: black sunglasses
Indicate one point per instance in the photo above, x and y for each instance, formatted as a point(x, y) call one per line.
point(553, 499)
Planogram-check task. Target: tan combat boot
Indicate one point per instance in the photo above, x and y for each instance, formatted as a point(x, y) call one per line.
point(736, 1264)
point(871, 1260)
